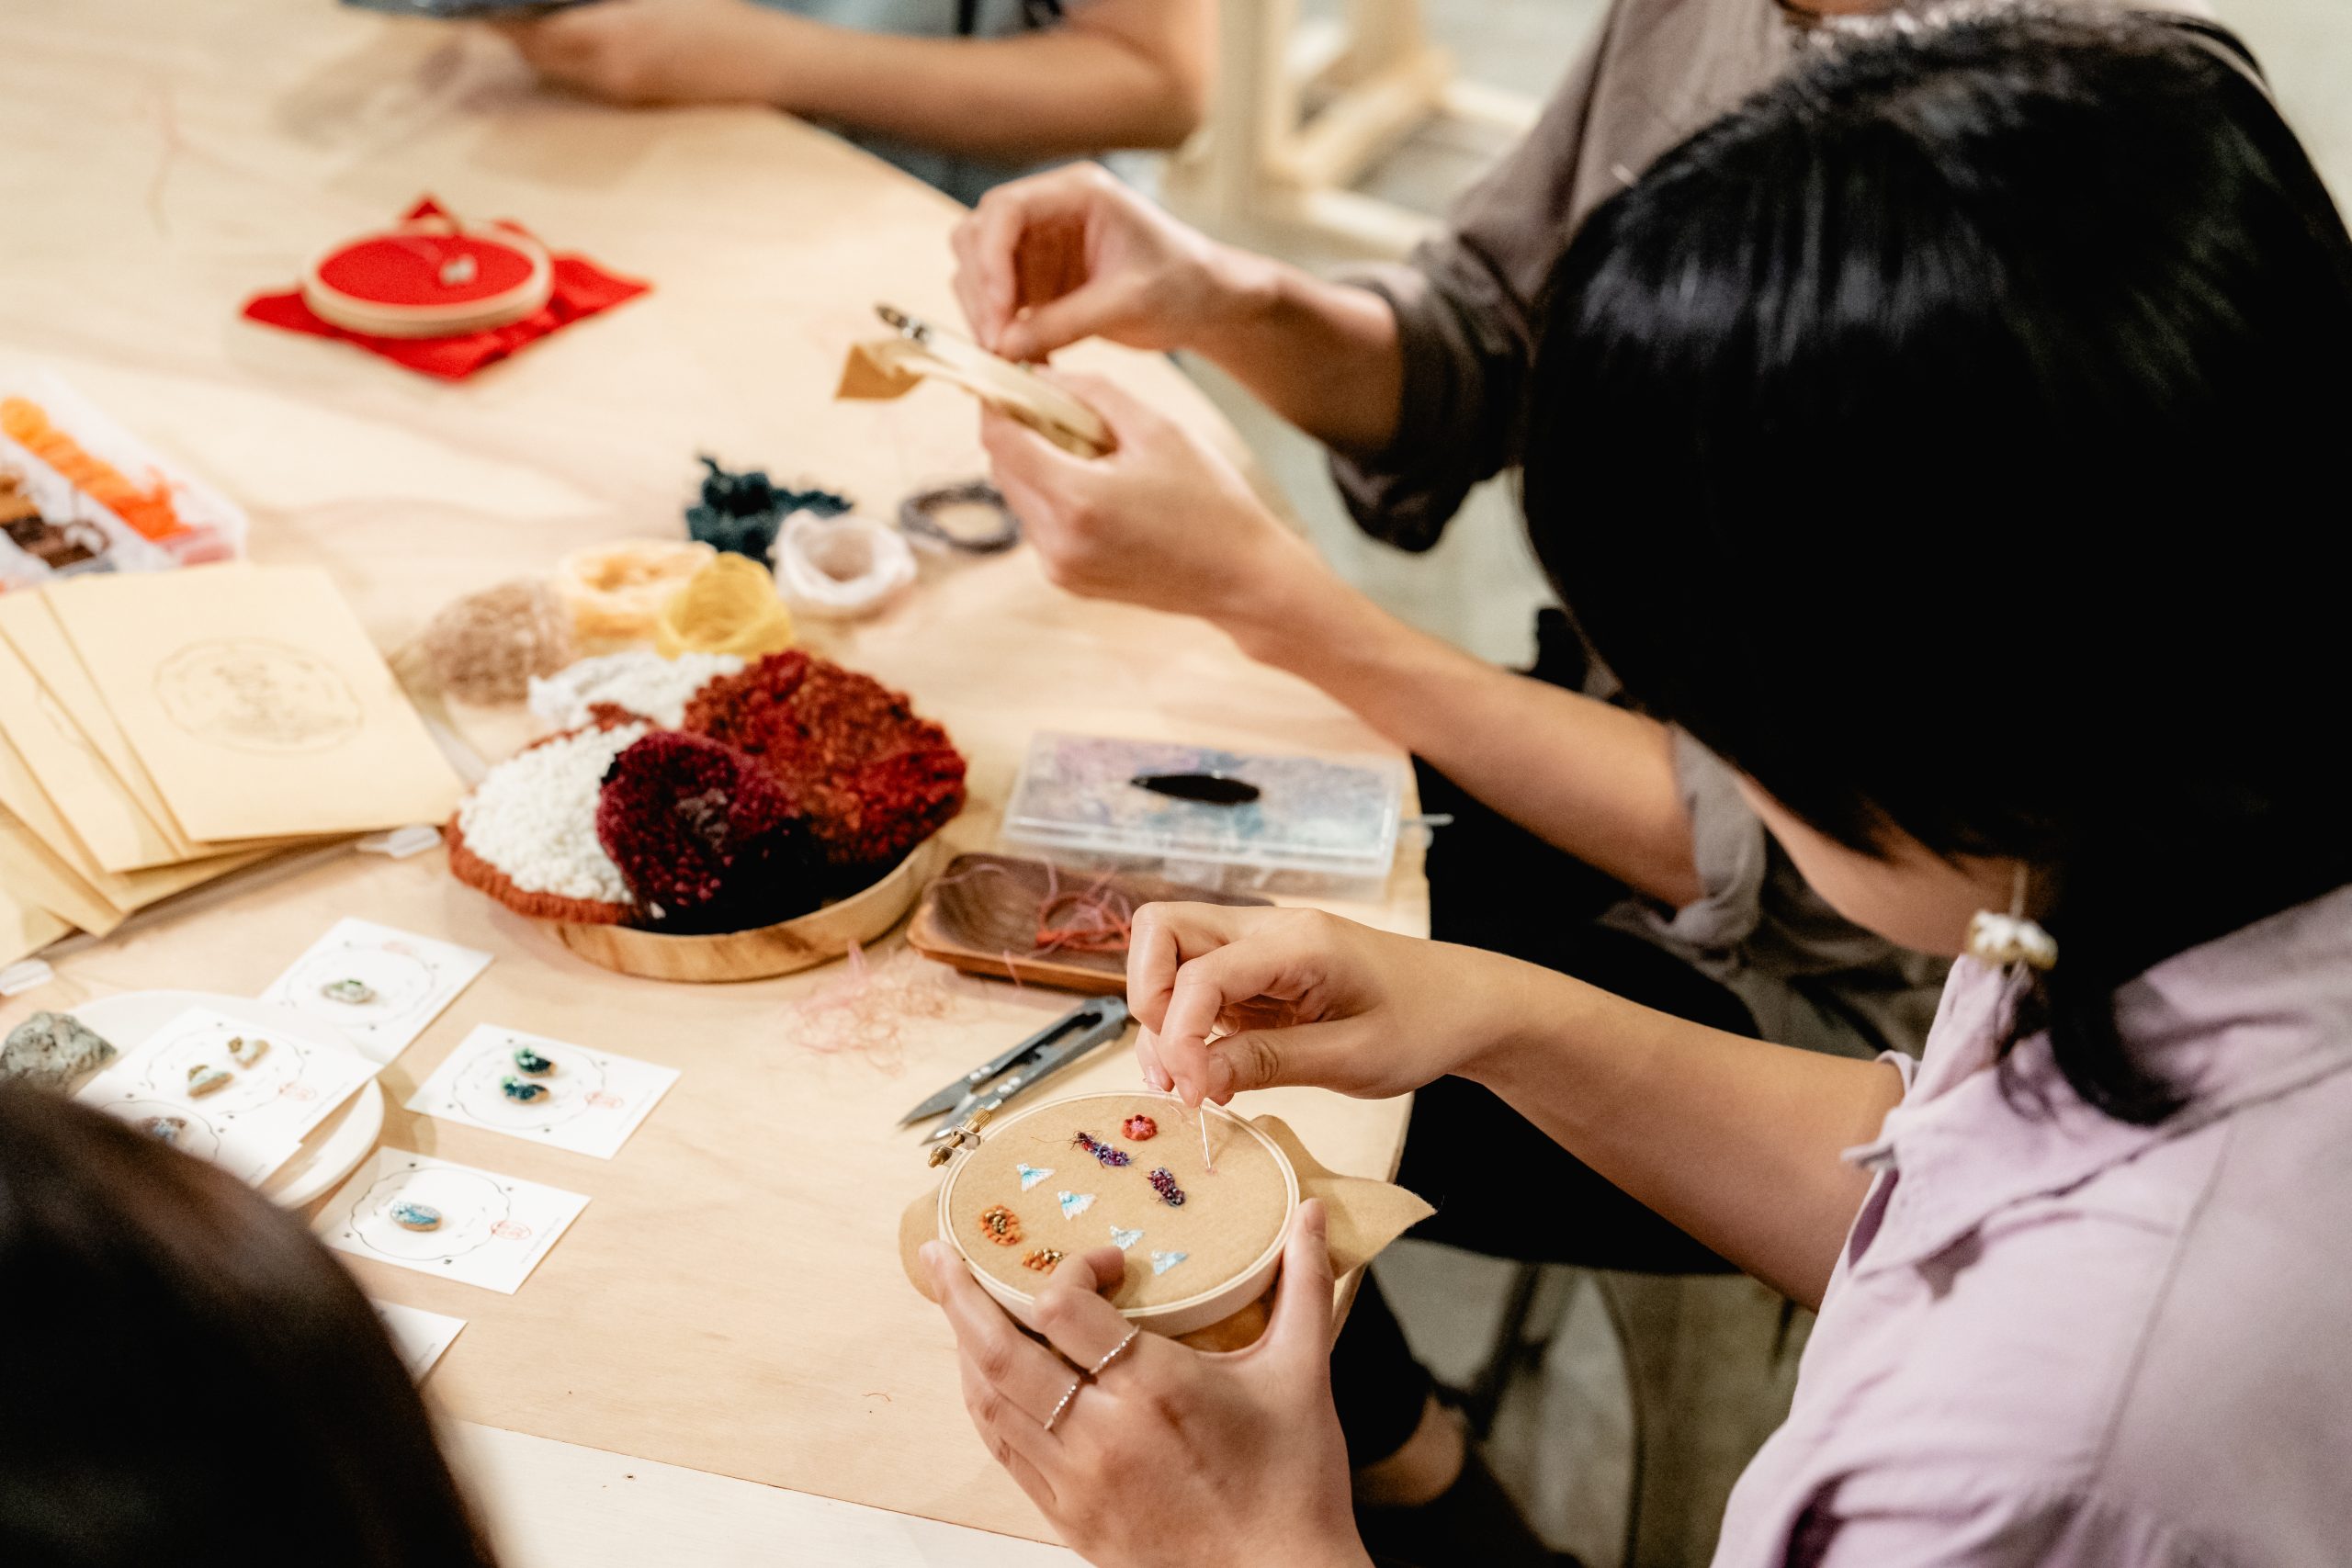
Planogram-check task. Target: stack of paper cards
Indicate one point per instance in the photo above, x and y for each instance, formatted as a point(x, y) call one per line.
point(546, 1091)
point(223, 1090)
point(437, 1217)
point(160, 730)
point(380, 985)
point(418, 1336)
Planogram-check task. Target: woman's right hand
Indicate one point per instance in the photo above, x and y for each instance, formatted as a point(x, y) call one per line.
point(1241, 999)
point(1072, 253)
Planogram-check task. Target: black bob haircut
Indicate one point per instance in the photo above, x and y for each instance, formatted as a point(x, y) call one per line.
point(1952, 439)
point(193, 1379)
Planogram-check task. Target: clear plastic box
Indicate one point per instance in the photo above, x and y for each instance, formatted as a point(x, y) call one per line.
point(1318, 822)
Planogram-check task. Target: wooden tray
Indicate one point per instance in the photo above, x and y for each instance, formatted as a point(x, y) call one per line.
point(802, 943)
point(985, 907)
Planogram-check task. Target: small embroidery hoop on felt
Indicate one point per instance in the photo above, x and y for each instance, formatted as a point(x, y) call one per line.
point(376, 317)
point(1199, 1309)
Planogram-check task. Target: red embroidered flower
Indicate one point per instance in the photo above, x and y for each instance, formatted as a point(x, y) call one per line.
point(1139, 1128)
point(703, 836)
point(871, 778)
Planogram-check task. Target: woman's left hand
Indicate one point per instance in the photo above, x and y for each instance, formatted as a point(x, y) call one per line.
point(1175, 1457)
point(660, 51)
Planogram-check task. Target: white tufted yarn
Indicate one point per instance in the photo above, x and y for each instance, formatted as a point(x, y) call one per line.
point(534, 815)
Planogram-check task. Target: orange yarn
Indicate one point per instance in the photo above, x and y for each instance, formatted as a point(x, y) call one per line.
point(148, 511)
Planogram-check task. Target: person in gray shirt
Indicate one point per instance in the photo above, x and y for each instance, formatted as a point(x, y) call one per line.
point(962, 93)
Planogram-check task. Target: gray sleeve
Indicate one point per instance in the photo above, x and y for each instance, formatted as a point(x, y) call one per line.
point(1464, 303)
point(1809, 976)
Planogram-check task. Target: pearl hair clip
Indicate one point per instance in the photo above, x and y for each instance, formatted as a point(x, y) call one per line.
point(2001, 940)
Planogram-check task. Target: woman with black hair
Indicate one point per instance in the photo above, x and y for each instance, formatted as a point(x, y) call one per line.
point(1997, 358)
point(190, 1377)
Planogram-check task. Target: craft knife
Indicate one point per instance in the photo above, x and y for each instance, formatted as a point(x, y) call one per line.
point(1061, 1042)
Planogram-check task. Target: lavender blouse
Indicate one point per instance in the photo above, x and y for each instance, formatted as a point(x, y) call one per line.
point(2056, 1338)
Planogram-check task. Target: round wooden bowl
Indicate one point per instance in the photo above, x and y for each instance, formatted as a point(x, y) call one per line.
point(802, 943)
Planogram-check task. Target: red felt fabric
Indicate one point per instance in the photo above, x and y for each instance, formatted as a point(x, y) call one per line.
point(581, 289)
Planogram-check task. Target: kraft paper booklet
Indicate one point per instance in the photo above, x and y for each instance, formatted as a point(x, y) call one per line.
point(255, 700)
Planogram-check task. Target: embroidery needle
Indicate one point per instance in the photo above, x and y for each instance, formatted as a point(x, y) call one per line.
point(1205, 1158)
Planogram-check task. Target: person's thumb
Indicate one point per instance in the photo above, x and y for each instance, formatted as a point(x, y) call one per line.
point(1301, 1330)
point(1096, 307)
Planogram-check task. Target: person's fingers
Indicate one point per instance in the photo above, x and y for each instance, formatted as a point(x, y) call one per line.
point(1094, 308)
point(1072, 1313)
point(966, 279)
point(1147, 1062)
point(1160, 937)
point(1300, 1333)
point(1005, 218)
point(1120, 409)
point(1021, 1445)
point(1264, 965)
point(1032, 1378)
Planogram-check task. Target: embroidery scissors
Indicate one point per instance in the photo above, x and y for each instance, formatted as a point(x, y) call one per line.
point(987, 1087)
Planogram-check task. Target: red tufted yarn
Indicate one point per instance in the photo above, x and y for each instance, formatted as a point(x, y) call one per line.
point(872, 779)
point(703, 837)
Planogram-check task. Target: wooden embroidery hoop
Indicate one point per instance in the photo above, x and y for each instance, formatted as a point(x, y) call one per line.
point(384, 316)
point(1211, 1304)
point(892, 366)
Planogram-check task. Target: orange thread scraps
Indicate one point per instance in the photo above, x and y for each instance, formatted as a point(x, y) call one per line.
point(149, 511)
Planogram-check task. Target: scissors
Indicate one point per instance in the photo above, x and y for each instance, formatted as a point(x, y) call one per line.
point(989, 1084)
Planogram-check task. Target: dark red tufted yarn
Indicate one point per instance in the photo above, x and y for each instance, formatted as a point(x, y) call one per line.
point(872, 779)
point(705, 838)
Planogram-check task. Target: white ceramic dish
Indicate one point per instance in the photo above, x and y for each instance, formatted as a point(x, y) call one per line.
point(334, 1148)
point(1171, 1318)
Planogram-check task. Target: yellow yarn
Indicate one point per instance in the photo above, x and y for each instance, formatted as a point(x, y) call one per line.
point(729, 606)
point(614, 592)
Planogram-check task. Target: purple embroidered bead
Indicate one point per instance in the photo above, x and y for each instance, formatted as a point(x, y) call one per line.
point(1164, 1183)
point(1101, 1151)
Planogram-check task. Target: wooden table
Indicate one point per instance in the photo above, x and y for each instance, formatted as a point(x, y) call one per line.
point(724, 1340)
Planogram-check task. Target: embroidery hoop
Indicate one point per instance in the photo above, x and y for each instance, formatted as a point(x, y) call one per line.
point(892, 366)
point(381, 316)
point(1212, 1304)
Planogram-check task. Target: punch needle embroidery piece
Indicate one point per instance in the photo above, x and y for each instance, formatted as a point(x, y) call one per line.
point(411, 1215)
point(1124, 1239)
point(1044, 1260)
point(205, 1078)
point(1031, 1175)
point(1163, 1261)
point(1139, 1128)
point(530, 1064)
point(1163, 1182)
point(1113, 1157)
point(522, 1090)
point(162, 1129)
point(352, 993)
point(244, 1052)
point(1001, 1225)
point(1076, 1203)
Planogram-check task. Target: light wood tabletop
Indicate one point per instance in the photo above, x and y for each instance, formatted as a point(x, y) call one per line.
point(721, 1361)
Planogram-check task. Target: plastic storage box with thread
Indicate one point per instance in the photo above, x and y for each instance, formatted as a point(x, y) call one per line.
point(1315, 824)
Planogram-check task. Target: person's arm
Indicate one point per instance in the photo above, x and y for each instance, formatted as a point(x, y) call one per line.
point(1115, 74)
point(1073, 254)
point(1165, 523)
point(1735, 1141)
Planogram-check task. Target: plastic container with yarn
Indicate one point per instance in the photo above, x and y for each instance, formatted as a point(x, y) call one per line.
point(616, 593)
point(848, 566)
point(729, 606)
